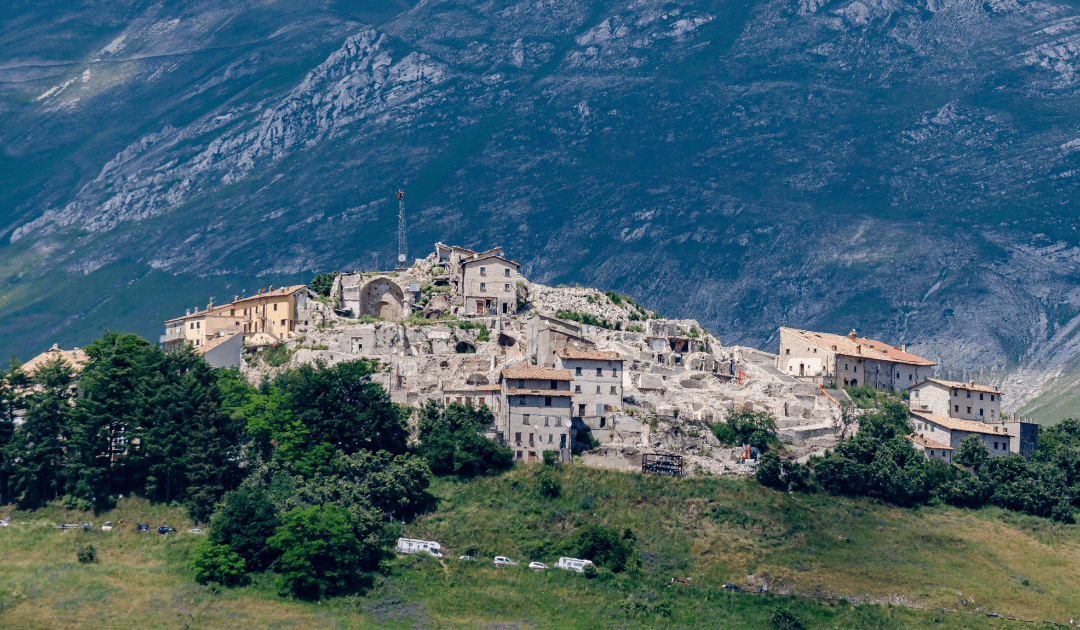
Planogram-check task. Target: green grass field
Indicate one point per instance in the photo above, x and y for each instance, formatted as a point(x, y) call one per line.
point(896, 568)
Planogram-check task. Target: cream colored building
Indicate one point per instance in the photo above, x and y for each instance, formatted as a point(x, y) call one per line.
point(268, 317)
point(966, 401)
point(849, 360)
point(536, 411)
point(489, 285)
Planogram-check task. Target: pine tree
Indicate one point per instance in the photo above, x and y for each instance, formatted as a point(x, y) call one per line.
point(36, 452)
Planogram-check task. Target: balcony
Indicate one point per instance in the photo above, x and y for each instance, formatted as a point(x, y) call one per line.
point(171, 336)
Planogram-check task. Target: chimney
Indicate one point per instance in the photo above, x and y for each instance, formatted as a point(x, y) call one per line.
point(972, 382)
point(271, 288)
point(187, 312)
point(851, 335)
point(904, 348)
point(858, 349)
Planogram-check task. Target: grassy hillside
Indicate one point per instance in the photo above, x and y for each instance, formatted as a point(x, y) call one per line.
point(895, 567)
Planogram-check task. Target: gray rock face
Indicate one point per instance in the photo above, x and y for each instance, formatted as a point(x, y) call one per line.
point(905, 168)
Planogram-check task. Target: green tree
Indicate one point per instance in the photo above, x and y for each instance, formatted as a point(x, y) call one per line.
point(746, 426)
point(972, 452)
point(320, 553)
point(35, 452)
point(606, 548)
point(452, 443)
point(244, 520)
point(323, 282)
point(217, 563)
point(341, 406)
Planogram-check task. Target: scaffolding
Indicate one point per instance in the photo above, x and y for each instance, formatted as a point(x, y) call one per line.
point(660, 464)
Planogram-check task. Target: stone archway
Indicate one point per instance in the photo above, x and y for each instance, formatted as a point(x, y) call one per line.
point(382, 297)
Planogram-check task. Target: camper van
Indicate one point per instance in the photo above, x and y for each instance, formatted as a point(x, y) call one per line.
point(412, 545)
point(573, 564)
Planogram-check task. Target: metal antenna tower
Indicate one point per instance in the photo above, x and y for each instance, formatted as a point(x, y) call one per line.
point(402, 241)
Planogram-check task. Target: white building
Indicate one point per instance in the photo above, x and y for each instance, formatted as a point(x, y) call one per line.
point(952, 431)
point(597, 386)
point(965, 401)
point(849, 361)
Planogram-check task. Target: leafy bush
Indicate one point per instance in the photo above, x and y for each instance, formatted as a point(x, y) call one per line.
point(323, 282)
point(551, 458)
point(277, 355)
point(746, 426)
point(320, 554)
point(785, 620)
point(243, 522)
point(606, 548)
point(451, 441)
point(217, 563)
point(548, 485)
point(86, 555)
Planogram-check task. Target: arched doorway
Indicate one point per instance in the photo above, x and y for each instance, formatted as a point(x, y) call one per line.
point(382, 297)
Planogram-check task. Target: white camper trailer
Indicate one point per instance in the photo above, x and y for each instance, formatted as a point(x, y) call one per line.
point(573, 564)
point(412, 545)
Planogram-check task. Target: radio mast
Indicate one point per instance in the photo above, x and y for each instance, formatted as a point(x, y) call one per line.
point(402, 240)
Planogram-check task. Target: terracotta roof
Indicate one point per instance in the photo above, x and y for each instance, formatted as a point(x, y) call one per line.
point(76, 358)
point(538, 392)
point(464, 389)
point(928, 443)
point(958, 385)
point(863, 348)
point(533, 372)
point(217, 311)
point(275, 293)
point(595, 355)
point(955, 424)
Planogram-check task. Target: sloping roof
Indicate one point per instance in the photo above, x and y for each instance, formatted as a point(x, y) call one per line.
point(213, 342)
point(594, 355)
point(955, 424)
point(928, 443)
point(863, 348)
point(216, 311)
point(465, 389)
point(533, 372)
point(482, 257)
point(75, 358)
point(275, 293)
point(958, 385)
point(539, 392)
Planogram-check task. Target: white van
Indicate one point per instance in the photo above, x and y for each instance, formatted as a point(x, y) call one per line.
point(413, 545)
point(573, 564)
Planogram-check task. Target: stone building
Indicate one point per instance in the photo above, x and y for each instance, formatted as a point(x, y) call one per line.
point(952, 431)
point(489, 285)
point(1023, 436)
point(598, 381)
point(473, 396)
point(270, 316)
point(849, 361)
point(74, 358)
point(966, 401)
point(536, 411)
point(372, 295)
point(200, 326)
point(931, 448)
point(546, 335)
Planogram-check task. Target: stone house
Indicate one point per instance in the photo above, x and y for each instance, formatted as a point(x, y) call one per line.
point(450, 257)
point(952, 431)
point(489, 285)
point(1023, 436)
point(74, 358)
point(826, 358)
point(966, 401)
point(546, 335)
point(472, 395)
point(931, 449)
point(598, 381)
point(536, 412)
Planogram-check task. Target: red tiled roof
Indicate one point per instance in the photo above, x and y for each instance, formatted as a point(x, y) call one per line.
point(594, 355)
point(533, 372)
point(928, 443)
point(959, 385)
point(863, 348)
point(76, 359)
point(513, 391)
point(955, 424)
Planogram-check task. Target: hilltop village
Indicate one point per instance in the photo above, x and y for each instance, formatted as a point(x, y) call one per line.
point(572, 369)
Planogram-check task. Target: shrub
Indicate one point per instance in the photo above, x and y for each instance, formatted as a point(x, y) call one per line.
point(549, 486)
point(323, 282)
point(770, 472)
point(86, 555)
point(606, 548)
point(243, 521)
point(746, 426)
point(451, 441)
point(320, 554)
point(217, 563)
point(551, 458)
point(785, 620)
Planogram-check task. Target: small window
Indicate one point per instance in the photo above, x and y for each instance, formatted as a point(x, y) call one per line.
point(991, 398)
point(597, 389)
point(909, 377)
point(275, 306)
point(554, 385)
point(969, 410)
point(483, 271)
point(506, 287)
point(547, 421)
point(980, 412)
point(788, 351)
point(547, 401)
point(969, 394)
point(897, 375)
point(517, 438)
point(599, 371)
point(577, 389)
point(483, 287)
point(614, 390)
point(931, 452)
point(577, 372)
point(980, 396)
point(956, 408)
point(525, 419)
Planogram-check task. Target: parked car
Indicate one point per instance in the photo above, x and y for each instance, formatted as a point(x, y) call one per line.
point(107, 527)
point(165, 530)
point(732, 587)
point(467, 558)
point(142, 527)
point(573, 564)
point(537, 566)
point(503, 561)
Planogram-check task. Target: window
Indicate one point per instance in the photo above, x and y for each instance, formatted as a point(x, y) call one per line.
point(275, 306)
point(551, 438)
point(483, 271)
point(547, 401)
point(980, 412)
point(577, 389)
point(931, 453)
point(530, 438)
point(554, 385)
point(506, 287)
point(597, 389)
point(969, 394)
point(897, 375)
point(599, 371)
point(909, 377)
point(517, 438)
point(506, 272)
point(232, 312)
point(980, 396)
point(991, 398)
point(525, 419)
point(969, 410)
point(845, 367)
point(788, 351)
point(613, 390)
point(283, 322)
point(547, 421)
point(577, 371)
point(855, 368)
point(483, 287)
point(519, 452)
point(995, 446)
point(614, 373)
point(956, 408)
point(482, 403)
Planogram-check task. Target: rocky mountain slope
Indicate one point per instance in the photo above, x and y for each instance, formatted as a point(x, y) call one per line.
point(904, 168)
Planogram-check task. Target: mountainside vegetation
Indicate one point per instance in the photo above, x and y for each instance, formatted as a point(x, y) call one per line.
point(906, 168)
